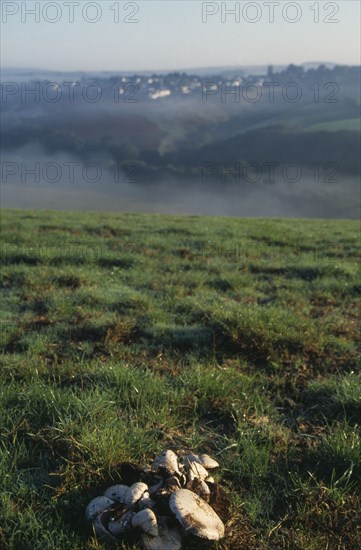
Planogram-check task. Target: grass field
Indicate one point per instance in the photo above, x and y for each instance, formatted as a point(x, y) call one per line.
point(126, 334)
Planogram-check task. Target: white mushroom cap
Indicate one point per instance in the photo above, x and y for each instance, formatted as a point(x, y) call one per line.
point(195, 515)
point(205, 460)
point(97, 506)
point(146, 521)
point(197, 471)
point(167, 539)
point(167, 461)
point(135, 493)
point(117, 493)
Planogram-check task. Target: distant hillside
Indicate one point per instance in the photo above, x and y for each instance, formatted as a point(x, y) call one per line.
point(280, 145)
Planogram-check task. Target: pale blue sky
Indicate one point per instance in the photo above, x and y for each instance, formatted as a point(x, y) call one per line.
point(170, 35)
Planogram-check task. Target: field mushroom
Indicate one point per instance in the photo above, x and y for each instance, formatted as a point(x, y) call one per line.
point(197, 471)
point(207, 461)
point(160, 513)
point(167, 461)
point(146, 521)
point(97, 506)
point(195, 515)
point(117, 493)
point(134, 493)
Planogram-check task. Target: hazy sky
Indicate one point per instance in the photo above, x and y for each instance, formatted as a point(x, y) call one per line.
point(170, 34)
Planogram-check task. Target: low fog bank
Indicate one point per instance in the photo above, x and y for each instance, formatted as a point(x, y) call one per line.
point(57, 187)
point(306, 200)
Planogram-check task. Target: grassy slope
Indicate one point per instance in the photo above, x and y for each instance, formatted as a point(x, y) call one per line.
point(127, 334)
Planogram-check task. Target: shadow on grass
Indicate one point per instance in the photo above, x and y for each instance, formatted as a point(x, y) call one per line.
point(179, 338)
point(304, 273)
point(18, 259)
point(122, 263)
point(324, 402)
point(68, 281)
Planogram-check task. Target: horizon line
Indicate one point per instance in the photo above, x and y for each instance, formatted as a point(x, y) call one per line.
point(183, 69)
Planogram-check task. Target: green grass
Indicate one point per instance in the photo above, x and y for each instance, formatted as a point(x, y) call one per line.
point(123, 335)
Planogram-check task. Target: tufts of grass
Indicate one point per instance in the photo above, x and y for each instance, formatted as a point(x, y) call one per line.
point(234, 337)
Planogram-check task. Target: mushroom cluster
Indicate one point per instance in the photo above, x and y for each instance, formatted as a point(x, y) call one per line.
point(169, 503)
